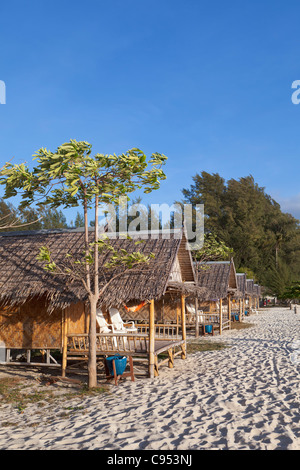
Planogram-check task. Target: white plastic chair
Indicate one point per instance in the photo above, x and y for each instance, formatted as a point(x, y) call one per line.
point(192, 312)
point(118, 326)
point(102, 323)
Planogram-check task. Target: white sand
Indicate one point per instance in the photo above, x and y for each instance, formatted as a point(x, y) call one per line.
point(242, 397)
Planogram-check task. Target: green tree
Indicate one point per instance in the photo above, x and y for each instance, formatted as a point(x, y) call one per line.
point(292, 292)
point(72, 177)
point(244, 217)
point(212, 250)
point(52, 218)
point(79, 220)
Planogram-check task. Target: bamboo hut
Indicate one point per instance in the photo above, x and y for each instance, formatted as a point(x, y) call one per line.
point(250, 296)
point(41, 310)
point(256, 295)
point(220, 281)
point(239, 297)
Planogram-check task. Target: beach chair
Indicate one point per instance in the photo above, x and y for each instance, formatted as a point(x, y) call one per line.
point(201, 317)
point(117, 324)
point(102, 323)
point(105, 328)
point(191, 314)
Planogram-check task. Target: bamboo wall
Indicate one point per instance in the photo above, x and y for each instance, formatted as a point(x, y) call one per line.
point(166, 310)
point(30, 326)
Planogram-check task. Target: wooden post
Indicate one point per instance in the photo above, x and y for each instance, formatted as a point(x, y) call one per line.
point(229, 310)
point(183, 326)
point(171, 359)
point(197, 319)
point(177, 314)
point(244, 305)
point(151, 340)
point(155, 366)
point(7, 355)
point(221, 315)
point(65, 344)
point(240, 309)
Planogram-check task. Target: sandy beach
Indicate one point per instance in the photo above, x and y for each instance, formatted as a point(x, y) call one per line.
point(242, 397)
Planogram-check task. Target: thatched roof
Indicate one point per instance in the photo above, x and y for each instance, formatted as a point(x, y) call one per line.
point(250, 287)
point(241, 286)
point(23, 277)
point(256, 290)
point(188, 289)
point(218, 277)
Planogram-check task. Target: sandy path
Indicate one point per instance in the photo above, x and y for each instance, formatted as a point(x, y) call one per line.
point(242, 397)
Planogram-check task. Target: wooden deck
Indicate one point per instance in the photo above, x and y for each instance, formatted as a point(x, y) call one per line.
point(209, 318)
point(134, 345)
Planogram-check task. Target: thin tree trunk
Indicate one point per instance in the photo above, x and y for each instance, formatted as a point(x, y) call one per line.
point(196, 319)
point(196, 307)
point(96, 286)
point(92, 364)
point(86, 243)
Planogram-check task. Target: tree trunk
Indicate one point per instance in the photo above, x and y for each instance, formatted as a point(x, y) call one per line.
point(92, 363)
point(197, 319)
point(196, 305)
point(86, 243)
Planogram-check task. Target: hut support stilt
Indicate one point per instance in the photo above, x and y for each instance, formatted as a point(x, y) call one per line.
point(171, 359)
point(197, 319)
point(221, 316)
point(183, 327)
point(64, 345)
point(229, 310)
point(151, 341)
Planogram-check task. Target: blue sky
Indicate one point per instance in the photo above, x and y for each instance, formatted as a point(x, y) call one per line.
point(207, 83)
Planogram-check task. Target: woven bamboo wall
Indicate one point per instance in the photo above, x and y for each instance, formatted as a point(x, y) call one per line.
point(165, 311)
point(77, 318)
point(31, 327)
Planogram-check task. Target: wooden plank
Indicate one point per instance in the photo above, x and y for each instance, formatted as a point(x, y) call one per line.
point(151, 340)
point(65, 346)
point(221, 316)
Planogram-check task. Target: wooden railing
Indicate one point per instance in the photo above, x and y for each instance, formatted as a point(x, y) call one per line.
point(205, 317)
point(117, 342)
point(113, 342)
point(162, 331)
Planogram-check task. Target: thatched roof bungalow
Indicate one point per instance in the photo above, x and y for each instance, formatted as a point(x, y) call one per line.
point(218, 278)
point(253, 293)
point(250, 287)
point(241, 286)
point(257, 291)
point(22, 276)
point(41, 310)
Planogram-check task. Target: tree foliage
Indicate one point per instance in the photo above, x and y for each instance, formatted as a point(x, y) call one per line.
point(212, 250)
point(245, 218)
point(29, 218)
point(292, 292)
